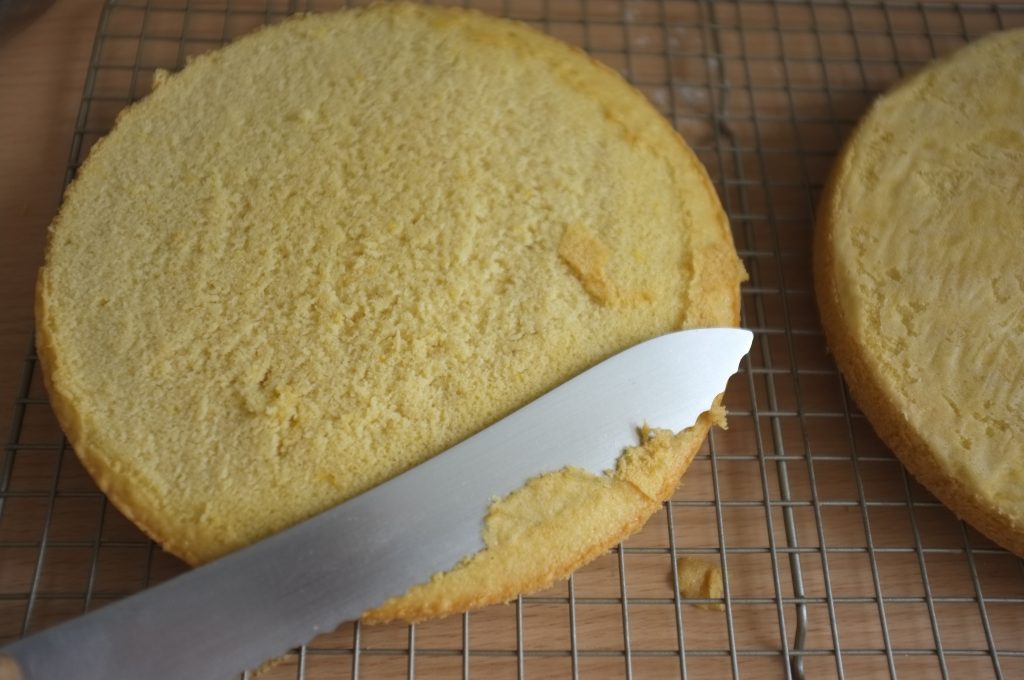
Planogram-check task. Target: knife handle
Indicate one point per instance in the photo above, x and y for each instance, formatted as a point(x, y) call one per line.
point(9, 669)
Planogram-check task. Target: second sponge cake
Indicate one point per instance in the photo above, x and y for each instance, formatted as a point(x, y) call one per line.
point(919, 271)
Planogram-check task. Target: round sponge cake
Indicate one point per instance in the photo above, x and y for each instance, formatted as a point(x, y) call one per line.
point(919, 270)
point(337, 247)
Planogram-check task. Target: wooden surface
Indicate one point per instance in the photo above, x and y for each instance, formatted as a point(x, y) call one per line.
point(43, 60)
point(891, 582)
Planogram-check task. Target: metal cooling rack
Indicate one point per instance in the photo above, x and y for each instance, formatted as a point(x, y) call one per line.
point(836, 563)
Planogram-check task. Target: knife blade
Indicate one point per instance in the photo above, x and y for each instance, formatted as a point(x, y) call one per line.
point(258, 602)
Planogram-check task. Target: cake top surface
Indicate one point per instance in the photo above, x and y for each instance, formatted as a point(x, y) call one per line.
point(331, 250)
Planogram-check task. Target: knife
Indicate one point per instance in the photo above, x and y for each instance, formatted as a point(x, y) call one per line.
point(258, 602)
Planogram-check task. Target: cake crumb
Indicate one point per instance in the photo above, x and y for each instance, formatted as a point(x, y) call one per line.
point(700, 579)
point(718, 416)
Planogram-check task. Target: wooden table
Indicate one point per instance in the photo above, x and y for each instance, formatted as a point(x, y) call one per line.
point(765, 92)
point(43, 60)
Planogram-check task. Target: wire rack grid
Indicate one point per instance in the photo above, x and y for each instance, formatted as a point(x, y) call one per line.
point(835, 562)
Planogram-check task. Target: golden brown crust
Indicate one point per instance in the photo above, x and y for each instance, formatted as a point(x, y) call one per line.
point(886, 410)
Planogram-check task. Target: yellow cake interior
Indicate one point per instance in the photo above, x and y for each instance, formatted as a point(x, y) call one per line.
point(335, 248)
